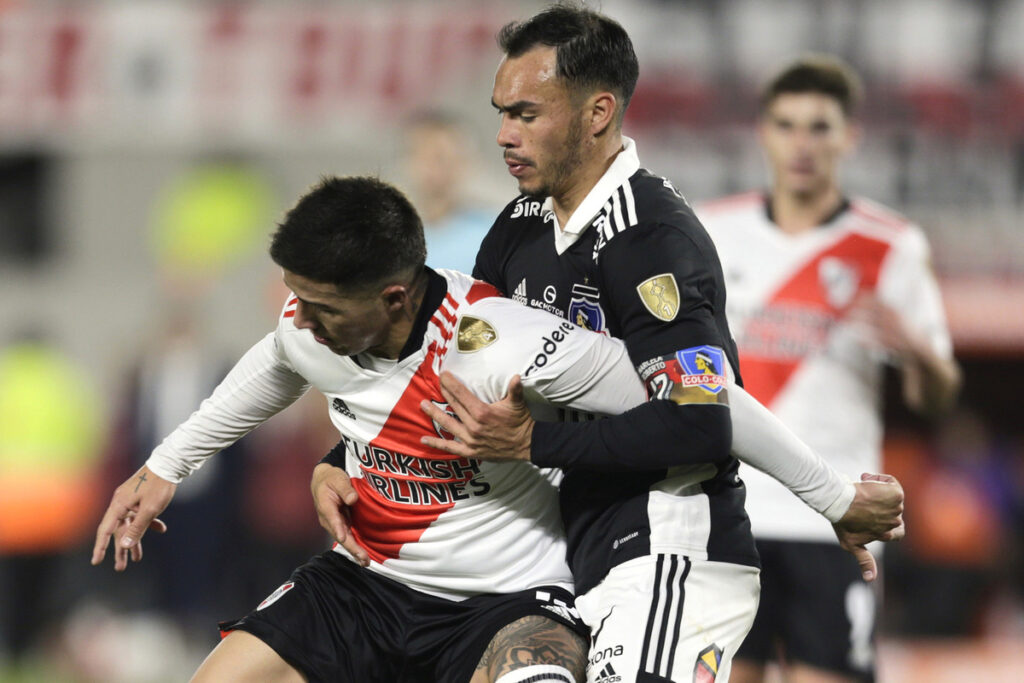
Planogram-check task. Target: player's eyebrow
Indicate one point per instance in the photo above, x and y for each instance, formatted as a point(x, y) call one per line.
point(513, 108)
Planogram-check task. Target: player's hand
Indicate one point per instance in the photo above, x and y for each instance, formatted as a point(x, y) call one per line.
point(887, 326)
point(333, 495)
point(485, 431)
point(876, 514)
point(132, 511)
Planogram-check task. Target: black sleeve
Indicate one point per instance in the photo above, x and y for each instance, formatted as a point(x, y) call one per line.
point(663, 286)
point(335, 456)
point(656, 435)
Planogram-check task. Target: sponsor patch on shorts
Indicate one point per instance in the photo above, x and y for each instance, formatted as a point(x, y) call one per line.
point(276, 595)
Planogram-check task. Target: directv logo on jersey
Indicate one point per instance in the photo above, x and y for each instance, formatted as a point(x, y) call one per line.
point(703, 367)
point(342, 408)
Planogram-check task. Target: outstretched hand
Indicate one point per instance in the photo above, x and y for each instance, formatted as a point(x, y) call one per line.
point(484, 431)
point(333, 495)
point(876, 514)
point(132, 511)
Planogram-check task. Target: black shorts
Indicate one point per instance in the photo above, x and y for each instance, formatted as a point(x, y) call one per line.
point(816, 607)
point(335, 621)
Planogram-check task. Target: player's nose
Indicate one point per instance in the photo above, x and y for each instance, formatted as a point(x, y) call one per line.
point(303, 316)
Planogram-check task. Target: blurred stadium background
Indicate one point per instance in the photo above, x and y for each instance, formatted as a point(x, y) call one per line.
point(148, 146)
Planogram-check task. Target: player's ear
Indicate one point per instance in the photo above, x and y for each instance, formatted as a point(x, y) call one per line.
point(395, 297)
point(601, 109)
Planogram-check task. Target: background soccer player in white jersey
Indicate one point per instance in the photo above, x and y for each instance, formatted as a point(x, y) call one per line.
point(463, 574)
point(824, 290)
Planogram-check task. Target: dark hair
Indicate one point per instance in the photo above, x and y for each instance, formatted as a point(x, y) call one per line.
point(353, 232)
point(824, 74)
point(592, 51)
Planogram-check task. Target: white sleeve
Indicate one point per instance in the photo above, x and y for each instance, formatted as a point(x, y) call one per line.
point(559, 362)
point(762, 441)
point(259, 386)
point(907, 284)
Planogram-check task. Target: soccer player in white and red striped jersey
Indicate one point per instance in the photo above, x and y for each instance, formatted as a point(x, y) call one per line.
point(824, 291)
point(463, 574)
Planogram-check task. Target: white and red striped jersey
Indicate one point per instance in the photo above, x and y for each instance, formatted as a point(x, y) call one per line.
point(444, 525)
point(801, 355)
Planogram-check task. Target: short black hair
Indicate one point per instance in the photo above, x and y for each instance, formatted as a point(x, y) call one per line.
point(824, 74)
point(592, 51)
point(354, 232)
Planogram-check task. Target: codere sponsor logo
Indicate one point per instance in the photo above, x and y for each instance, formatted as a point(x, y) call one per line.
point(549, 346)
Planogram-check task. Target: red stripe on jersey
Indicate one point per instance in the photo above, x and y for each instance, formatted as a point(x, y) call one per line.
point(801, 314)
point(407, 486)
point(481, 290)
point(448, 315)
point(289, 314)
point(294, 300)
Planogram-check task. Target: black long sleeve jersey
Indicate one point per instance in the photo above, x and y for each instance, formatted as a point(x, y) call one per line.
point(635, 263)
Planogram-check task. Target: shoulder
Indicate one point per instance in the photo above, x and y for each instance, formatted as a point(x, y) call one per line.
point(880, 219)
point(648, 211)
point(465, 289)
point(883, 223)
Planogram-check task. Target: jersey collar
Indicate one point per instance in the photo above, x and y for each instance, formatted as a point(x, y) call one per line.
point(622, 169)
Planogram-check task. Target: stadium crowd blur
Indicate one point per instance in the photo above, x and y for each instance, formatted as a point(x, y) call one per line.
point(148, 149)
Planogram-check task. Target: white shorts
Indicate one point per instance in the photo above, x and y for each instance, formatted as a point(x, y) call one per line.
point(668, 618)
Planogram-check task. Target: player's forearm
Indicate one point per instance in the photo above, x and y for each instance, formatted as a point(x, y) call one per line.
point(257, 388)
point(762, 441)
point(655, 435)
point(930, 382)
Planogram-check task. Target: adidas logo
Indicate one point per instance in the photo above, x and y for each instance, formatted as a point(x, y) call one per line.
point(607, 675)
point(520, 292)
point(342, 408)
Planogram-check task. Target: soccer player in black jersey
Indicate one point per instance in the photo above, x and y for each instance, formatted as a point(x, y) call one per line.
point(659, 542)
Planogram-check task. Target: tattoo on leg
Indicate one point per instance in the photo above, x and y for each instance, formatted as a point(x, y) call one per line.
point(534, 640)
point(142, 478)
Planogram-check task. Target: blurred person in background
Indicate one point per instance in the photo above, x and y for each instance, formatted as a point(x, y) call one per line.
point(175, 369)
point(439, 163)
point(51, 426)
point(825, 290)
point(206, 219)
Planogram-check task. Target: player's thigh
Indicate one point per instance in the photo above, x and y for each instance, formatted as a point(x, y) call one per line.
point(830, 612)
point(242, 658)
point(535, 643)
point(667, 618)
point(334, 621)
